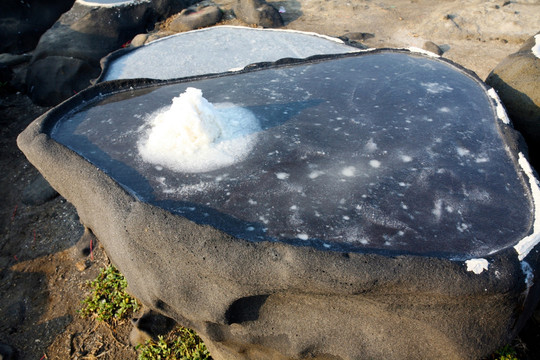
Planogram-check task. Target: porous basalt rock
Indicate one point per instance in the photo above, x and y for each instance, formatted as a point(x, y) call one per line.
point(257, 12)
point(516, 80)
point(277, 300)
point(67, 56)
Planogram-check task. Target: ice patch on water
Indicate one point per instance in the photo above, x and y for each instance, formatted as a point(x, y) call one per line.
point(406, 158)
point(370, 146)
point(436, 88)
point(315, 174)
point(348, 171)
point(437, 209)
point(462, 151)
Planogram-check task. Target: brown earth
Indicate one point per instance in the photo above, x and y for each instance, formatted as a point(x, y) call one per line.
point(43, 276)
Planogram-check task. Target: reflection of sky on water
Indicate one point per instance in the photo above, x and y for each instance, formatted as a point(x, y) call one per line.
point(378, 152)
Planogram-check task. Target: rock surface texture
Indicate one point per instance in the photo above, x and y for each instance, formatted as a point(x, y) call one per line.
point(517, 81)
point(67, 56)
point(298, 298)
point(258, 12)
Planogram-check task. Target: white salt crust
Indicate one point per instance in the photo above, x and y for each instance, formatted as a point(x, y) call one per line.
point(536, 48)
point(192, 135)
point(501, 113)
point(422, 51)
point(529, 242)
point(477, 266)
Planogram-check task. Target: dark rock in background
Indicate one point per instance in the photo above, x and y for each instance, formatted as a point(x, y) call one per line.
point(517, 81)
point(67, 56)
point(257, 12)
point(197, 16)
point(55, 78)
point(6, 352)
point(434, 48)
point(38, 192)
point(23, 21)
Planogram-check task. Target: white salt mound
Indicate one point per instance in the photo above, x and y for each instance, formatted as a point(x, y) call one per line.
point(192, 135)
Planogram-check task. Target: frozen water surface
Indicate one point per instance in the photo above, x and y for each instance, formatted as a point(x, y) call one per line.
point(218, 49)
point(389, 152)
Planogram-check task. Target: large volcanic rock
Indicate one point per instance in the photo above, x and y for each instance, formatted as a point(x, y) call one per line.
point(384, 210)
point(517, 81)
point(67, 56)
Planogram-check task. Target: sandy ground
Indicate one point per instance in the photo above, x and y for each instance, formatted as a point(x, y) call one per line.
point(42, 278)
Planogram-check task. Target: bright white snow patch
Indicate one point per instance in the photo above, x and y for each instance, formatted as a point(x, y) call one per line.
point(536, 48)
point(282, 176)
point(375, 164)
point(529, 242)
point(192, 135)
point(501, 113)
point(477, 266)
point(302, 236)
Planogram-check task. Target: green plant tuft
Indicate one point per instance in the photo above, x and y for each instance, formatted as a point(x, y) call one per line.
point(506, 353)
point(109, 301)
point(179, 344)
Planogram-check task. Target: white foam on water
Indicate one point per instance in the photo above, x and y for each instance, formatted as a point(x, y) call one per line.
point(192, 135)
point(477, 266)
